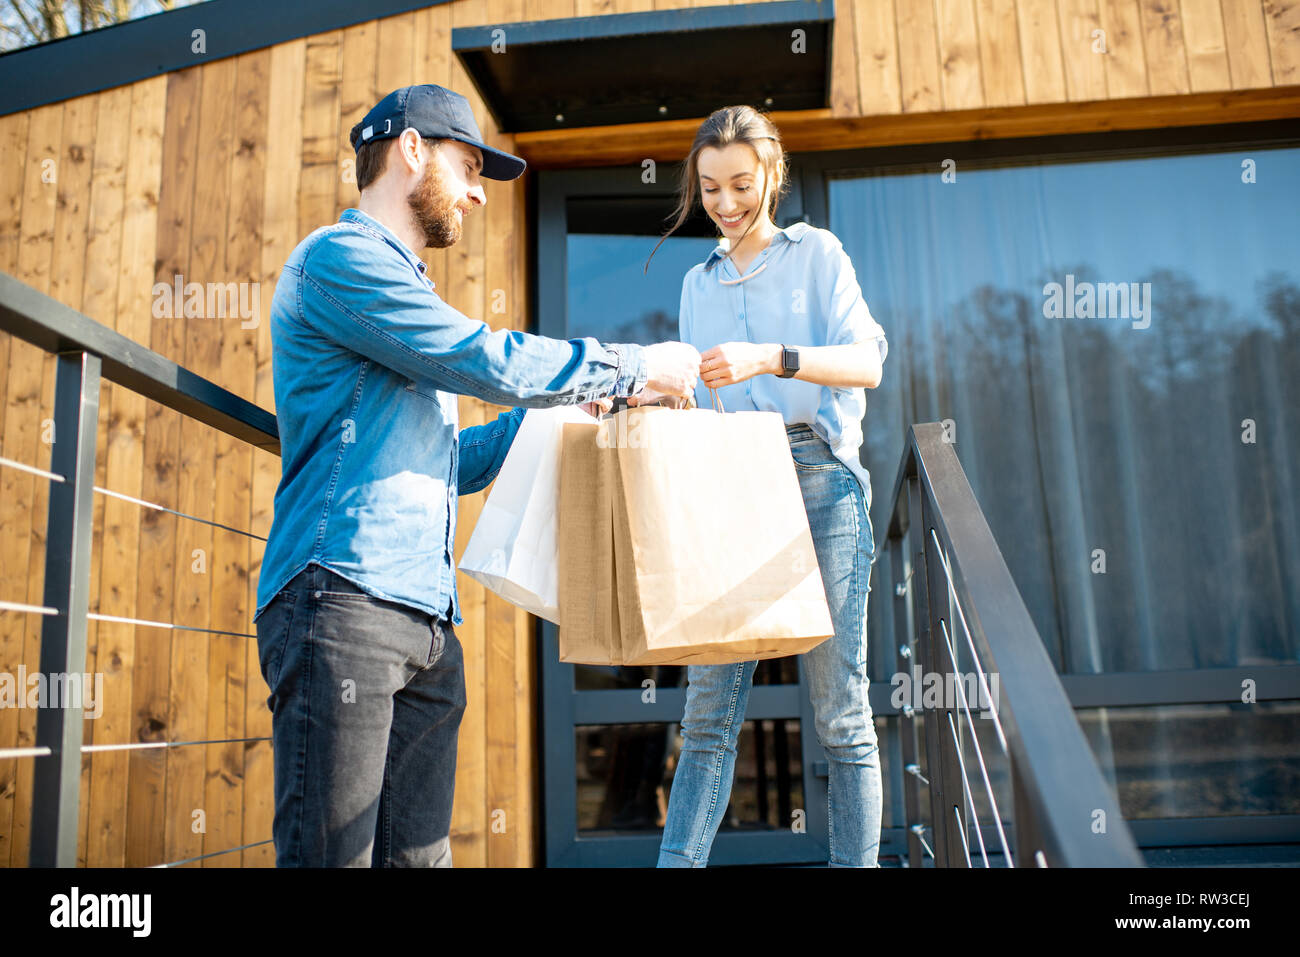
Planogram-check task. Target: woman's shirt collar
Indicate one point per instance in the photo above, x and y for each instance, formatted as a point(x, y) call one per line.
point(794, 233)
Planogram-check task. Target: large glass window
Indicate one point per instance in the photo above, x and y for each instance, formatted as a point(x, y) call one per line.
point(1116, 346)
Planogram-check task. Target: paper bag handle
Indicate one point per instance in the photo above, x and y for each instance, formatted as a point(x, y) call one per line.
point(717, 400)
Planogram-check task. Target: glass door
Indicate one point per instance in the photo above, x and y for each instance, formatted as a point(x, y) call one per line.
point(610, 734)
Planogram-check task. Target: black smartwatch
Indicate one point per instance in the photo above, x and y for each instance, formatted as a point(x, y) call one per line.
point(789, 361)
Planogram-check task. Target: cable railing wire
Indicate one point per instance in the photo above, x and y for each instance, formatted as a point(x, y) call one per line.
point(129, 498)
point(979, 753)
point(203, 857)
point(42, 752)
point(961, 830)
point(970, 796)
point(979, 669)
point(121, 620)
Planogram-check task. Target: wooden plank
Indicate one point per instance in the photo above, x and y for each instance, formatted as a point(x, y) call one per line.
point(844, 63)
point(395, 66)
point(509, 772)
point(89, 194)
point(318, 192)
point(504, 310)
point(101, 252)
point(1282, 18)
point(959, 56)
point(526, 778)
point(190, 692)
point(1126, 66)
point(465, 291)
point(1040, 50)
point(999, 46)
point(1162, 30)
point(13, 157)
point(358, 92)
point(918, 57)
point(124, 465)
point(1084, 64)
point(879, 80)
point(1246, 39)
point(1207, 54)
point(503, 787)
point(89, 726)
point(24, 497)
point(544, 10)
point(147, 812)
point(814, 130)
point(279, 236)
point(68, 260)
point(434, 63)
point(231, 611)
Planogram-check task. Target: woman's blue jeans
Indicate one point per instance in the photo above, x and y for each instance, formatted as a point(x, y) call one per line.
point(836, 673)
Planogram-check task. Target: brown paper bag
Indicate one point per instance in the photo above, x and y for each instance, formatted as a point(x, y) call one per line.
point(589, 628)
point(713, 556)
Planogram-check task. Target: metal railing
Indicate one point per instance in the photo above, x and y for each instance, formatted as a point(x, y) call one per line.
point(88, 353)
point(967, 638)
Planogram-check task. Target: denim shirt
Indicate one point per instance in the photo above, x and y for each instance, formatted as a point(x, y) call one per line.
point(367, 363)
point(806, 294)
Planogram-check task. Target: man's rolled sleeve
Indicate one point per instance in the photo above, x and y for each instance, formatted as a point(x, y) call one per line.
point(361, 293)
point(631, 375)
point(483, 450)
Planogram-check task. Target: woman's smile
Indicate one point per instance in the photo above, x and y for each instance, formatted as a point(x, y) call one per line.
point(733, 222)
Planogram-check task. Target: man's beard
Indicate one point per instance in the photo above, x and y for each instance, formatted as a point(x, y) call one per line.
point(434, 209)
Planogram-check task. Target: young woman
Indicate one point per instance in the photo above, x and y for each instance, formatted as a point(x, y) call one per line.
point(781, 326)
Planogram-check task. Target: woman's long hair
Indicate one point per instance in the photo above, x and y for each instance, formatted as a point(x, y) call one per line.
point(732, 124)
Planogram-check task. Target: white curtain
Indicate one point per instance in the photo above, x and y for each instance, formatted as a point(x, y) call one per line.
point(1163, 445)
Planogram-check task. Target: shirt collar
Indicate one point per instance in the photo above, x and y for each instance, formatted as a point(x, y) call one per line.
point(794, 233)
point(357, 216)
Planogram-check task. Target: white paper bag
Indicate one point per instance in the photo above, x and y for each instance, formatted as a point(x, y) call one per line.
point(514, 549)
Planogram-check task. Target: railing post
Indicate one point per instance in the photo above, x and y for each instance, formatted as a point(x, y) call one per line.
point(56, 789)
point(945, 770)
point(921, 589)
point(1027, 840)
point(900, 568)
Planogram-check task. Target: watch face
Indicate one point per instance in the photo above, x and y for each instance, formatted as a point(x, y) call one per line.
point(790, 361)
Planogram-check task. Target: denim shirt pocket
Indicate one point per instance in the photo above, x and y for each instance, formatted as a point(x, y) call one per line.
point(425, 388)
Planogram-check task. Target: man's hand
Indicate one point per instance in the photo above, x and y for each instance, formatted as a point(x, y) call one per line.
point(648, 396)
point(672, 368)
point(597, 408)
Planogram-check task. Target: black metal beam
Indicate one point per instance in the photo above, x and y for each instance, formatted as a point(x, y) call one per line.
point(47, 323)
point(651, 65)
point(56, 785)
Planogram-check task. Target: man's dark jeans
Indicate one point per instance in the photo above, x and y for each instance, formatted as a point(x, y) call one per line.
point(366, 701)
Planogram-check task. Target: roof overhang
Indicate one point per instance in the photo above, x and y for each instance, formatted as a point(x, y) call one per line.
point(656, 65)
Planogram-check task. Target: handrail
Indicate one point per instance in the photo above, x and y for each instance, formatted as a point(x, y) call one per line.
point(47, 323)
point(963, 595)
point(87, 353)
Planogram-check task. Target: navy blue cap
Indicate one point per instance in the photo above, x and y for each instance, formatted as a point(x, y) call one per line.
point(435, 113)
